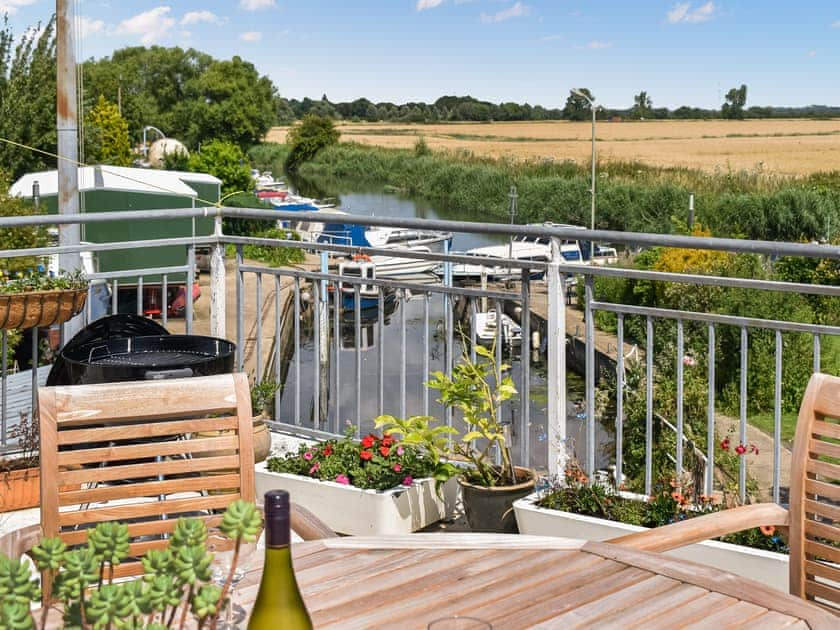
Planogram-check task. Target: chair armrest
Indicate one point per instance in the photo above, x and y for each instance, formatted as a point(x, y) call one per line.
point(19, 541)
point(712, 525)
point(308, 526)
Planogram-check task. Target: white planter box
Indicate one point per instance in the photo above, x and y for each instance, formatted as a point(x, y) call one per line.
point(766, 567)
point(349, 510)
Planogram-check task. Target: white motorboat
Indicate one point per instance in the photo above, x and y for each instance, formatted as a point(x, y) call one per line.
point(486, 328)
point(521, 248)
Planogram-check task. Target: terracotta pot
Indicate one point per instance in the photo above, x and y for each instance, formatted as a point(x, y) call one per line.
point(20, 489)
point(490, 509)
point(38, 309)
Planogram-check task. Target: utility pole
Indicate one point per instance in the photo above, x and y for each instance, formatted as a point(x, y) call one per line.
point(67, 116)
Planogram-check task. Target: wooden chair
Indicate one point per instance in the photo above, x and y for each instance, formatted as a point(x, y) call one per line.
point(814, 515)
point(119, 452)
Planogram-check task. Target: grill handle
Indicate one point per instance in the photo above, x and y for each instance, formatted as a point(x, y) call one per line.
point(159, 375)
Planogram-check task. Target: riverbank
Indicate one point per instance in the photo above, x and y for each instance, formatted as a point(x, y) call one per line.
point(630, 196)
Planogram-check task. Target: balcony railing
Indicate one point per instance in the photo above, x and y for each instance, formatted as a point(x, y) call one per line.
point(346, 364)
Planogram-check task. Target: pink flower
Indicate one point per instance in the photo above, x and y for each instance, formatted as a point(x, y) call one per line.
point(740, 449)
point(689, 360)
point(315, 468)
point(400, 450)
point(342, 479)
point(397, 468)
point(407, 481)
point(307, 455)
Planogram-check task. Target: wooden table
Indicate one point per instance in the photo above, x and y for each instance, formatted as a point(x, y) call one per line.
point(524, 581)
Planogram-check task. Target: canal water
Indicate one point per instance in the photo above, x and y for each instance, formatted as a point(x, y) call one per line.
point(407, 354)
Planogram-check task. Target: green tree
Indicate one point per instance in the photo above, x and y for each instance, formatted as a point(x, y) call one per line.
point(312, 134)
point(736, 99)
point(577, 107)
point(642, 105)
point(106, 135)
point(27, 99)
point(226, 161)
point(229, 101)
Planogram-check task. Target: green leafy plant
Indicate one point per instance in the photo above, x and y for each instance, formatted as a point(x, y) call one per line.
point(468, 389)
point(27, 435)
point(262, 395)
point(374, 462)
point(26, 282)
point(175, 583)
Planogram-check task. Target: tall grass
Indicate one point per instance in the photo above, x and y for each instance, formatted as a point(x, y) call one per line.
point(630, 196)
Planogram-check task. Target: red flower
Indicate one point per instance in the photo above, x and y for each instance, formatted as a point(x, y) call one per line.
point(384, 450)
point(407, 481)
point(753, 449)
point(724, 444)
point(327, 450)
point(387, 440)
point(365, 455)
point(397, 468)
point(767, 530)
point(368, 441)
point(740, 449)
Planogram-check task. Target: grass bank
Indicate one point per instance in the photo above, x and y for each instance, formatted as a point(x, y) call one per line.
point(630, 196)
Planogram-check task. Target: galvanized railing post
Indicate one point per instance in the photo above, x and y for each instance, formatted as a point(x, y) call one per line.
point(188, 292)
point(556, 331)
point(217, 285)
point(590, 376)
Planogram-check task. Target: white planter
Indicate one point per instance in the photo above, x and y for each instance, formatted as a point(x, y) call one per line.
point(766, 567)
point(349, 510)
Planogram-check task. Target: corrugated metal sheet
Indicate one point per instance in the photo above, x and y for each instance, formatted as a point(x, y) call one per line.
point(19, 393)
point(142, 180)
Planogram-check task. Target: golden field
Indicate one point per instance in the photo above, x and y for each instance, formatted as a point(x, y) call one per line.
point(778, 146)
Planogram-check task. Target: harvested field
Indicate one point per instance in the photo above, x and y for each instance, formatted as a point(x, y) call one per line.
point(778, 146)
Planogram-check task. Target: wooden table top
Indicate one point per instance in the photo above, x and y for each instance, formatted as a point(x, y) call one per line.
point(517, 582)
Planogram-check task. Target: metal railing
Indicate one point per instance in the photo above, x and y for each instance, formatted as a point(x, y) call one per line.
point(343, 356)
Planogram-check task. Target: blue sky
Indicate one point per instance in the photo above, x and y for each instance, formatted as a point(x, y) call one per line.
point(683, 52)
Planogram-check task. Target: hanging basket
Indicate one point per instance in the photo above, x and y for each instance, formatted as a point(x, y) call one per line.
point(37, 309)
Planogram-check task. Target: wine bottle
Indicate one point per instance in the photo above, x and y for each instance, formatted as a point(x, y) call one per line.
point(279, 603)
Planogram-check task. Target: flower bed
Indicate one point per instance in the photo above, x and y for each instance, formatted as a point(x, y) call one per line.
point(375, 486)
point(594, 512)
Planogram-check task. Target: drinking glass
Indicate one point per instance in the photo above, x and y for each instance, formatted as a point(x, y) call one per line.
point(233, 614)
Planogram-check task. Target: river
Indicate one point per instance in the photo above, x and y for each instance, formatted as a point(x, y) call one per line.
point(528, 443)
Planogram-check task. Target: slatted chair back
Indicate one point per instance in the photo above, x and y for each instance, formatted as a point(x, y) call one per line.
point(815, 495)
point(143, 453)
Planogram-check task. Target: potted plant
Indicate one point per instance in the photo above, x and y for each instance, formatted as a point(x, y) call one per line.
point(176, 584)
point(488, 489)
point(376, 485)
point(20, 476)
point(575, 508)
point(38, 299)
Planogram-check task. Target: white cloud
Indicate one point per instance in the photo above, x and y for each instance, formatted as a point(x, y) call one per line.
point(812, 53)
point(517, 10)
point(422, 5)
point(550, 38)
point(151, 25)
point(11, 6)
point(88, 26)
point(835, 24)
point(251, 36)
point(684, 13)
point(196, 17)
point(596, 45)
point(256, 5)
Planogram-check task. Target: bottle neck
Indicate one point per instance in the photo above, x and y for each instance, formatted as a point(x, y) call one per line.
point(277, 529)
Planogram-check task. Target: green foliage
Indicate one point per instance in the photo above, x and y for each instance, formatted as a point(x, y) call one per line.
point(378, 463)
point(176, 161)
point(187, 94)
point(263, 394)
point(307, 138)
point(577, 107)
point(469, 390)
point(106, 135)
point(226, 161)
point(175, 578)
point(274, 255)
point(23, 283)
point(236, 226)
point(421, 148)
point(19, 237)
point(736, 99)
point(27, 98)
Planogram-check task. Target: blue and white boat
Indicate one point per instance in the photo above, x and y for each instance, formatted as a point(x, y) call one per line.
point(369, 294)
point(396, 239)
